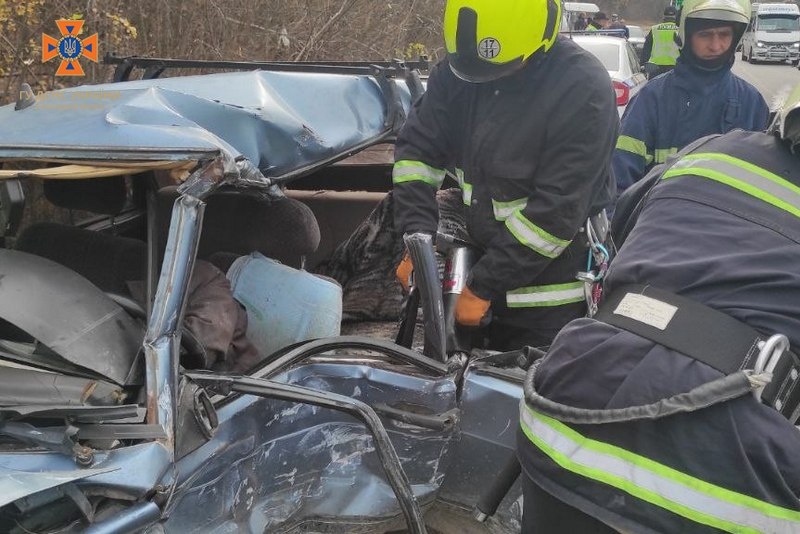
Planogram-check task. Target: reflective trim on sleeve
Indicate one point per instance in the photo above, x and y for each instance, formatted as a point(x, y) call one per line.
point(634, 146)
point(742, 175)
point(542, 296)
point(653, 482)
point(661, 154)
point(416, 171)
point(466, 193)
point(534, 237)
point(504, 210)
point(466, 189)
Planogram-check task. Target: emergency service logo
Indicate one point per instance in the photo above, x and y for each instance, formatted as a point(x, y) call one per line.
point(70, 48)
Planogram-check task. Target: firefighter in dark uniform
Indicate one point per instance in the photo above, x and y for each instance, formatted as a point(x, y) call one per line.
point(525, 121)
point(699, 97)
point(673, 409)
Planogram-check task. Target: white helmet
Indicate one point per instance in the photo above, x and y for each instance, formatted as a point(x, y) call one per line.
point(736, 11)
point(787, 121)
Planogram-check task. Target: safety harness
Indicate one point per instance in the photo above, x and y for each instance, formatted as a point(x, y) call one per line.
point(709, 336)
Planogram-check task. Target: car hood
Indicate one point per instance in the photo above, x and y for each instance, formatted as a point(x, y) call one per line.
point(777, 37)
point(278, 121)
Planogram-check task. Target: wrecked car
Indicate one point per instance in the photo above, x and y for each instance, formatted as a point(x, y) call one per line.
point(118, 414)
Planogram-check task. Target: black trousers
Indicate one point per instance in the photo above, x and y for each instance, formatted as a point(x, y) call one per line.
point(544, 514)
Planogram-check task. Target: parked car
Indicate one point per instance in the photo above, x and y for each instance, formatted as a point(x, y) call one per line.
point(637, 38)
point(114, 419)
point(621, 62)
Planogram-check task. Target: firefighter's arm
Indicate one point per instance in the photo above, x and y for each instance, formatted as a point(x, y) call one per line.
point(573, 167)
point(422, 153)
point(635, 147)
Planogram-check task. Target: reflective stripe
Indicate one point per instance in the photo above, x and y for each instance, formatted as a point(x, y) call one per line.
point(466, 193)
point(634, 146)
point(741, 175)
point(466, 189)
point(534, 237)
point(663, 153)
point(504, 210)
point(541, 296)
point(416, 171)
point(656, 483)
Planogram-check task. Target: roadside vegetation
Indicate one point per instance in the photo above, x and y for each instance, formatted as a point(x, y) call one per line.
point(262, 30)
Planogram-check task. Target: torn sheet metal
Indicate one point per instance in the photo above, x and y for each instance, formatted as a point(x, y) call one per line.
point(69, 315)
point(274, 465)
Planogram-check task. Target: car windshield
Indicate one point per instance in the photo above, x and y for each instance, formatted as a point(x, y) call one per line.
point(779, 23)
point(635, 31)
point(607, 53)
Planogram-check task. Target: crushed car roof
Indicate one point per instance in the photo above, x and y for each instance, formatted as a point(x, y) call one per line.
point(281, 122)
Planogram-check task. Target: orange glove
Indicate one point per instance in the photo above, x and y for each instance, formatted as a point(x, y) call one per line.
point(404, 271)
point(470, 308)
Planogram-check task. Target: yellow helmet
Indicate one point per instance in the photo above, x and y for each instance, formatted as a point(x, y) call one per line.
point(736, 11)
point(787, 120)
point(488, 39)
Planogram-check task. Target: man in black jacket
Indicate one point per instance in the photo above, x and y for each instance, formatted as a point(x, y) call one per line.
point(673, 409)
point(525, 122)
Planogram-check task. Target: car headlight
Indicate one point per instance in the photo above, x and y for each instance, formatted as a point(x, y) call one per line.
point(759, 44)
point(795, 45)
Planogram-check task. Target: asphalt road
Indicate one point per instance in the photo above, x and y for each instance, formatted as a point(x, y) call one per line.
point(774, 80)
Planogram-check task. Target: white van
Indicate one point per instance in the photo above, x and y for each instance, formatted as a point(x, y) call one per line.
point(773, 34)
point(570, 11)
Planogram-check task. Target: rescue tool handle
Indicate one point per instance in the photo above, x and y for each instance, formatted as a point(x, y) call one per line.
point(490, 501)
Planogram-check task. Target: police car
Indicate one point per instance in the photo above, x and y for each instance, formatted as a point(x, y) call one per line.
point(621, 62)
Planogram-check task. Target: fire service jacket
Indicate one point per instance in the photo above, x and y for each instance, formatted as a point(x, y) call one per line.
point(677, 108)
point(722, 228)
point(531, 153)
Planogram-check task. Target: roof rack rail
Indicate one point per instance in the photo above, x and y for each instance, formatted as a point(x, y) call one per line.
point(154, 67)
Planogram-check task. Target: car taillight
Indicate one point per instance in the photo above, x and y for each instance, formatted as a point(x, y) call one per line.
point(622, 92)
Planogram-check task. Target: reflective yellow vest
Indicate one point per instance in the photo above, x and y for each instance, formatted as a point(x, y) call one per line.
point(665, 49)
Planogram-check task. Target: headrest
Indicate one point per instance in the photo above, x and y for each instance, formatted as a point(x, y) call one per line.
point(242, 222)
point(106, 196)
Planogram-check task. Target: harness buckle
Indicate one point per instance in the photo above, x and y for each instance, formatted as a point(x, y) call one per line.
point(770, 353)
point(782, 369)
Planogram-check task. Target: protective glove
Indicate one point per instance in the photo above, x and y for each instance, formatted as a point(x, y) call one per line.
point(404, 270)
point(470, 308)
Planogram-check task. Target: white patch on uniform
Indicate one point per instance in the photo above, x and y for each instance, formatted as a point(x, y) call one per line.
point(646, 310)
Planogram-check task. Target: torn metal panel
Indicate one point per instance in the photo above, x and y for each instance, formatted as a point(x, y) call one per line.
point(35, 387)
point(69, 315)
point(16, 484)
point(127, 473)
point(489, 422)
point(274, 464)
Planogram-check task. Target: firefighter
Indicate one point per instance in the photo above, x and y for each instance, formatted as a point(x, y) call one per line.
point(700, 97)
point(673, 409)
point(660, 51)
point(525, 122)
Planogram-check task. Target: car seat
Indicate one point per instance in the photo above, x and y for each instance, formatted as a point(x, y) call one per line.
point(106, 260)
